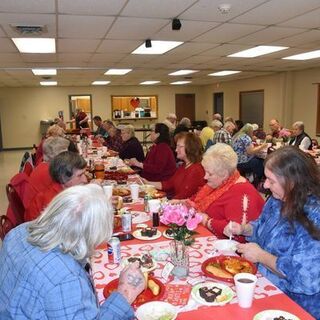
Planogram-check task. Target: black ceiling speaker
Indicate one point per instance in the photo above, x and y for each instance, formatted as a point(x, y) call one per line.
point(176, 24)
point(148, 43)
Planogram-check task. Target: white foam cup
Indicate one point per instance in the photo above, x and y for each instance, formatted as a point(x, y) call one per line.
point(108, 189)
point(245, 286)
point(154, 205)
point(134, 188)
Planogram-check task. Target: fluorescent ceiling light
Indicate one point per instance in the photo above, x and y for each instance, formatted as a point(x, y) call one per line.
point(100, 83)
point(304, 56)
point(117, 72)
point(48, 83)
point(256, 51)
point(44, 72)
point(158, 47)
point(182, 72)
point(180, 82)
point(150, 82)
point(35, 45)
point(223, 73)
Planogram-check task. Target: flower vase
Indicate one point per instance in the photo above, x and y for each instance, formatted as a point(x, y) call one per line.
point(179, 258)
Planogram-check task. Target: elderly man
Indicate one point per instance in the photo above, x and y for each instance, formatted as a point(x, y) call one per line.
point(217, 116)
point(299, 137)
point(171, 122)
point(224, 135)
point(277, 131)
point(207, 133)
point(101, 131)
point(44, 270)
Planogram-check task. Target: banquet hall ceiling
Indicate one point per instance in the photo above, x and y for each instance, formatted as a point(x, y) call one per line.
point(95, 35)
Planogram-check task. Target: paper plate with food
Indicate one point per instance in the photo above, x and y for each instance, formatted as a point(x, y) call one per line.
point(212, 293)
point(157, 310)
point(140, 217)
point(147, 234)
point(275, 315)
point(120, 191)
point(225, 245)
point(154, 291)
point(225, 267)
point(146, 262)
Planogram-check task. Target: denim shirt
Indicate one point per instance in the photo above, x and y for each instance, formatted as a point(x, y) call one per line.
point(49, 285)
point(298, 254)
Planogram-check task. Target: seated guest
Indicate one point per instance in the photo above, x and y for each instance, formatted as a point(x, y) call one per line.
point(44, 270)
point(67, 169)
point(315, 144)
point(239, 124)
point(248, 162)
point(170, 122)
point(101, 131)
point(131, 147)
point(189, 177)
point(40, 178)
point(114, 140)
point(160, 163)
point(59, 121)
point(285, 240)
point(208, 132)
point(224, 135)
point(227, 196)
point(299, 138)
point(277, 131)
point(183, 126)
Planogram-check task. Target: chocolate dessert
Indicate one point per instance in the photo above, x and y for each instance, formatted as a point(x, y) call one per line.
point(145, 261)
point(281, 318)
point(209, 294)
point(148, 232)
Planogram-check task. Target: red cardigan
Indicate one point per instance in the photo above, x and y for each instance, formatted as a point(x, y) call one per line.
point(159, 164)
point(185, 182)
point(229, 208)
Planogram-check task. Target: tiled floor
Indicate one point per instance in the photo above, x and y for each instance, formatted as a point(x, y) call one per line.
point(9, 166)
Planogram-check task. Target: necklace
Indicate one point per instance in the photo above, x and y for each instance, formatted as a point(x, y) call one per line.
point(188, 164)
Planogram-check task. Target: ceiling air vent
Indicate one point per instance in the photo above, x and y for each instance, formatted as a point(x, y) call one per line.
point(29, 30)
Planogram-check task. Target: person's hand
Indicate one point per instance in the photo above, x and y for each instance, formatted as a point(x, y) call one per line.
point(250, 251)
point(131, 282)
point(134, 162)
point(205, 218)
point(234, 228)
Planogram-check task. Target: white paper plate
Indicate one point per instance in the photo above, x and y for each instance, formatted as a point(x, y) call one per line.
point(125, 262)
point(166, 235)
point(137, 235)
point(225, 245)
point(155, 310)
point(139, 217)
point(225, 291)
point(271, 314)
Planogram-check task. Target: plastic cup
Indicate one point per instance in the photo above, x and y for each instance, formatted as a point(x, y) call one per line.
point(245, 285)
point(134, 188)
point(108, 189)
point(154, 205)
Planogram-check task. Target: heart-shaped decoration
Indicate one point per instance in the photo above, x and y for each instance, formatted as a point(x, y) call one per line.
point(135, 102)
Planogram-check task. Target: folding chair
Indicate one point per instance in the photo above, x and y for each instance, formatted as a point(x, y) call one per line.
point(5, 226)
point(16, 205)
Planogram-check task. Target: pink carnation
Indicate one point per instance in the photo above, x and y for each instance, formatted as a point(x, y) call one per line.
point(194, 221)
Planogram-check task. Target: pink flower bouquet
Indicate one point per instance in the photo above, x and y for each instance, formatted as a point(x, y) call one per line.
point(182, 220)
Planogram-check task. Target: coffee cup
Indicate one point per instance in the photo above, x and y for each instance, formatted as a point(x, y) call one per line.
point(108, 189)
point(134, 188)
point(154, 205)
point(245, 286)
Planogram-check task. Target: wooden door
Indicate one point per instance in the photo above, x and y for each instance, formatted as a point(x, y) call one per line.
point(186, 106)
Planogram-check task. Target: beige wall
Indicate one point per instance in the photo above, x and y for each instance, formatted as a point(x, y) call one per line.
point(288, 96)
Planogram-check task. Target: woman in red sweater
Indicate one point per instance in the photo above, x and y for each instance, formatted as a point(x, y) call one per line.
point(189, 176)
point(160, 163)
point(227, 196)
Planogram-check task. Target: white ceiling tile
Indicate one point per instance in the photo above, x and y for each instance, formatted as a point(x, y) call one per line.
point(308, 20)
point(87, 27)
point(118, 46)
point(27, 6)
point(227, 32)
point(224, 50)
point(77, 45)
point(37, 57)
point(7, 45)
point(297, 40)
point(10, 57)
point(80, 57)
point(91, 7)
point(154, 9)
point(275, 11)
point(106, 57)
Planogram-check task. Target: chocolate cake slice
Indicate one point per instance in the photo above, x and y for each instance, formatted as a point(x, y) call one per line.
point(209, 294)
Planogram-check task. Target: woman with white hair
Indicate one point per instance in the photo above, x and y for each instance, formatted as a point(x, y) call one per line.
point(227, 196)
point(44, 263)
point(131, 147)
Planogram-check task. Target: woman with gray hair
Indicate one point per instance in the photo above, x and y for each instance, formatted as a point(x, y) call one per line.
point(43, 263)
point(227, 196)
point(131, 147)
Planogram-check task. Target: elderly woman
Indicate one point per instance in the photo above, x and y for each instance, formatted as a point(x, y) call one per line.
point(248, 162)
point(227, 196)
point(189, 176)
point(131, 147)
point(160, 163)
point(44, 263)
point(114, 140)
point(284, 241)
point(67, 169)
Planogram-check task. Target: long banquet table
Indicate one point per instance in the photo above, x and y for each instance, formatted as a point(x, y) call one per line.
point(267, 296)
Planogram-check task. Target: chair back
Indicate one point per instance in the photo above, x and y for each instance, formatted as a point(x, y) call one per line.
point(15, 204)
point(5, 226)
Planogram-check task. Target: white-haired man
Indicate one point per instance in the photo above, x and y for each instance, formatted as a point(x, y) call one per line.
point(299, 137)
point(171, 122)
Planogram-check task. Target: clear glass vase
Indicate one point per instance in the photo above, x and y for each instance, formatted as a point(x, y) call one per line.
point(179, 258)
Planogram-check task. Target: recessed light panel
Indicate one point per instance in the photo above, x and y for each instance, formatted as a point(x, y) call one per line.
point(100, 83)
point(149, 82)
point(157, 47)
point(305, 56)
point(256, 51)
point(182, 72)
point(44, 72)
point(180, 82)
point(35, 45)
point(117, 72)
point(223, 73)
point(48, 83)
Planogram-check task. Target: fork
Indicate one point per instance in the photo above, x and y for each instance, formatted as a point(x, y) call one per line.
point(230, 227)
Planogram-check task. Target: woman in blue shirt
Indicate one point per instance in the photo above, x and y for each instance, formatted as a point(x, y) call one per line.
point(285, 240)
